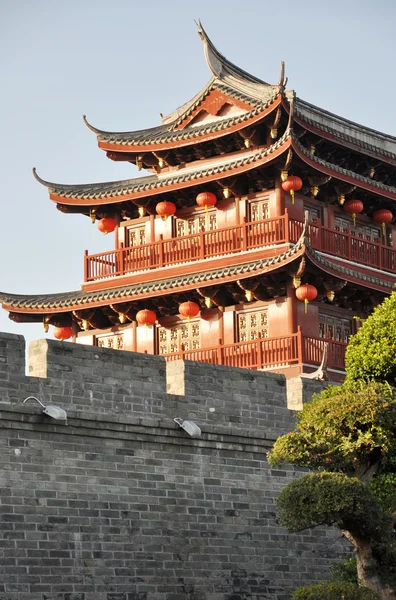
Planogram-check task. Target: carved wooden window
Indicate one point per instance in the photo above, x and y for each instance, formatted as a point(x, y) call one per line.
point(111, 340)
point(206, 221)
point(137, 235)
point(366, 232)
point(334, 328)
point(259, 210)
point(252, 325)
point(184, 336)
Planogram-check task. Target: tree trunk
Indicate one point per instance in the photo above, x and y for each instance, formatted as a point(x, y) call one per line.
point(368, 568)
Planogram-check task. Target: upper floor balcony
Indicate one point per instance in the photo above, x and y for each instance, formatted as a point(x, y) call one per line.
point(275, 353)
point(237, 239)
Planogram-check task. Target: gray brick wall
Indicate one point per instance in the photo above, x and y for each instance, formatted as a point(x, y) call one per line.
point(121, 504)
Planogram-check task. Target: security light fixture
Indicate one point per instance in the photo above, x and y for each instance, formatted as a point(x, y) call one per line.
point(55, 412)
point(190, 427)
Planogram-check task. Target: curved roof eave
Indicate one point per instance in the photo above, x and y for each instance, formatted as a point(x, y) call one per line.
point(64, 302)
point(352, 275)
point(165, 139)
point(113, 192)
point(346, 132)
point(225, 76)
point(97, 194)
point(346, 175)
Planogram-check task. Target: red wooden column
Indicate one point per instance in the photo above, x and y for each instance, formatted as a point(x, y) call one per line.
point(237, 211)
point(134, 340)
point(279, 198)
point(151, 236)
point(291, 302)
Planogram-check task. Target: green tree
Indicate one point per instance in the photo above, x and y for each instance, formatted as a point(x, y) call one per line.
point(371, 353)
point(348, 435)
point(334, 590)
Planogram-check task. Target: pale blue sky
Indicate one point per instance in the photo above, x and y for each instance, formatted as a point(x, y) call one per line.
point(122, 63)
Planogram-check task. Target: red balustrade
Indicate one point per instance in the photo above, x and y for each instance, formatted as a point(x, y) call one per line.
point(233, 240)
point(269, 353)
point(313, 349)
point(188, 248)
point(347, 246)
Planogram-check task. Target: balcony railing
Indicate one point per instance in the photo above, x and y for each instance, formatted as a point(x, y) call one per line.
point(296, 349)
point(347, 246)
point(189, 248)
point(234, 240)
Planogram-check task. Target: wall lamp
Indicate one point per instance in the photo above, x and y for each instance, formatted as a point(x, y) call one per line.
point(50, 410)
point(190, 427)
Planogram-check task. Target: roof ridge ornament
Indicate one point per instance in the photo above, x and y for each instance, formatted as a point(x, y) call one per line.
point(91, 127)
point(48, 184)
point(291, 114)
point(220, 66)
point(282, 79)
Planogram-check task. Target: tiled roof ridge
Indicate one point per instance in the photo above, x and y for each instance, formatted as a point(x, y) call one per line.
point(226, 77)
point(164, 134)
point(67, 299)
point(344, 119)
point(342, 135)
point(100, 190)
point(219, 64)
point(341, 170)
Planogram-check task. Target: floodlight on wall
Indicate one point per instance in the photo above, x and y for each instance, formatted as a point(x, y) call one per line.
point(55, 412)
point(190, 427)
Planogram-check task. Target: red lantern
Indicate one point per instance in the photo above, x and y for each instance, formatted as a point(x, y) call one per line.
point(306, 293)
point(189, 309)
point(63, 333)
point(353, 207)
point(292, 184)
point(106, 225)
point(382, 216)
point(165, 209)
point(206, 199)
point(146, 317)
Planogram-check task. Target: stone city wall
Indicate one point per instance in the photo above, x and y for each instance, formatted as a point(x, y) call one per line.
point(121, 504)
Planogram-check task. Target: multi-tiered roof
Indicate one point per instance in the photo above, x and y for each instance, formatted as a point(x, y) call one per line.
point(236, 135)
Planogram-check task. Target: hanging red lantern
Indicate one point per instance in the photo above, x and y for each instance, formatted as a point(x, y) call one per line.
point(146, 317)
point(292, 184)
point(306, 293)
point(165, 209)
point(106, 225)
point(206, 199)
point(189, 309)
point(353, 207)
point(382, 216)
point(63, 333)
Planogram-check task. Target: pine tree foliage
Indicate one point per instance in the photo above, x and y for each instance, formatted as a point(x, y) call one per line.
point(347, 436)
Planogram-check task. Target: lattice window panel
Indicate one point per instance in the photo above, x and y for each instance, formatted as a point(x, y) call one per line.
point(252, 325)
point(137, 236)
point(185, 336)
point(366, 232)
point(334, 328)
point(112, 340)
point(259, 210)
point(206, 221)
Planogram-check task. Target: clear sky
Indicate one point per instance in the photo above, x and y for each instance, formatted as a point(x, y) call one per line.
point(122, 63)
